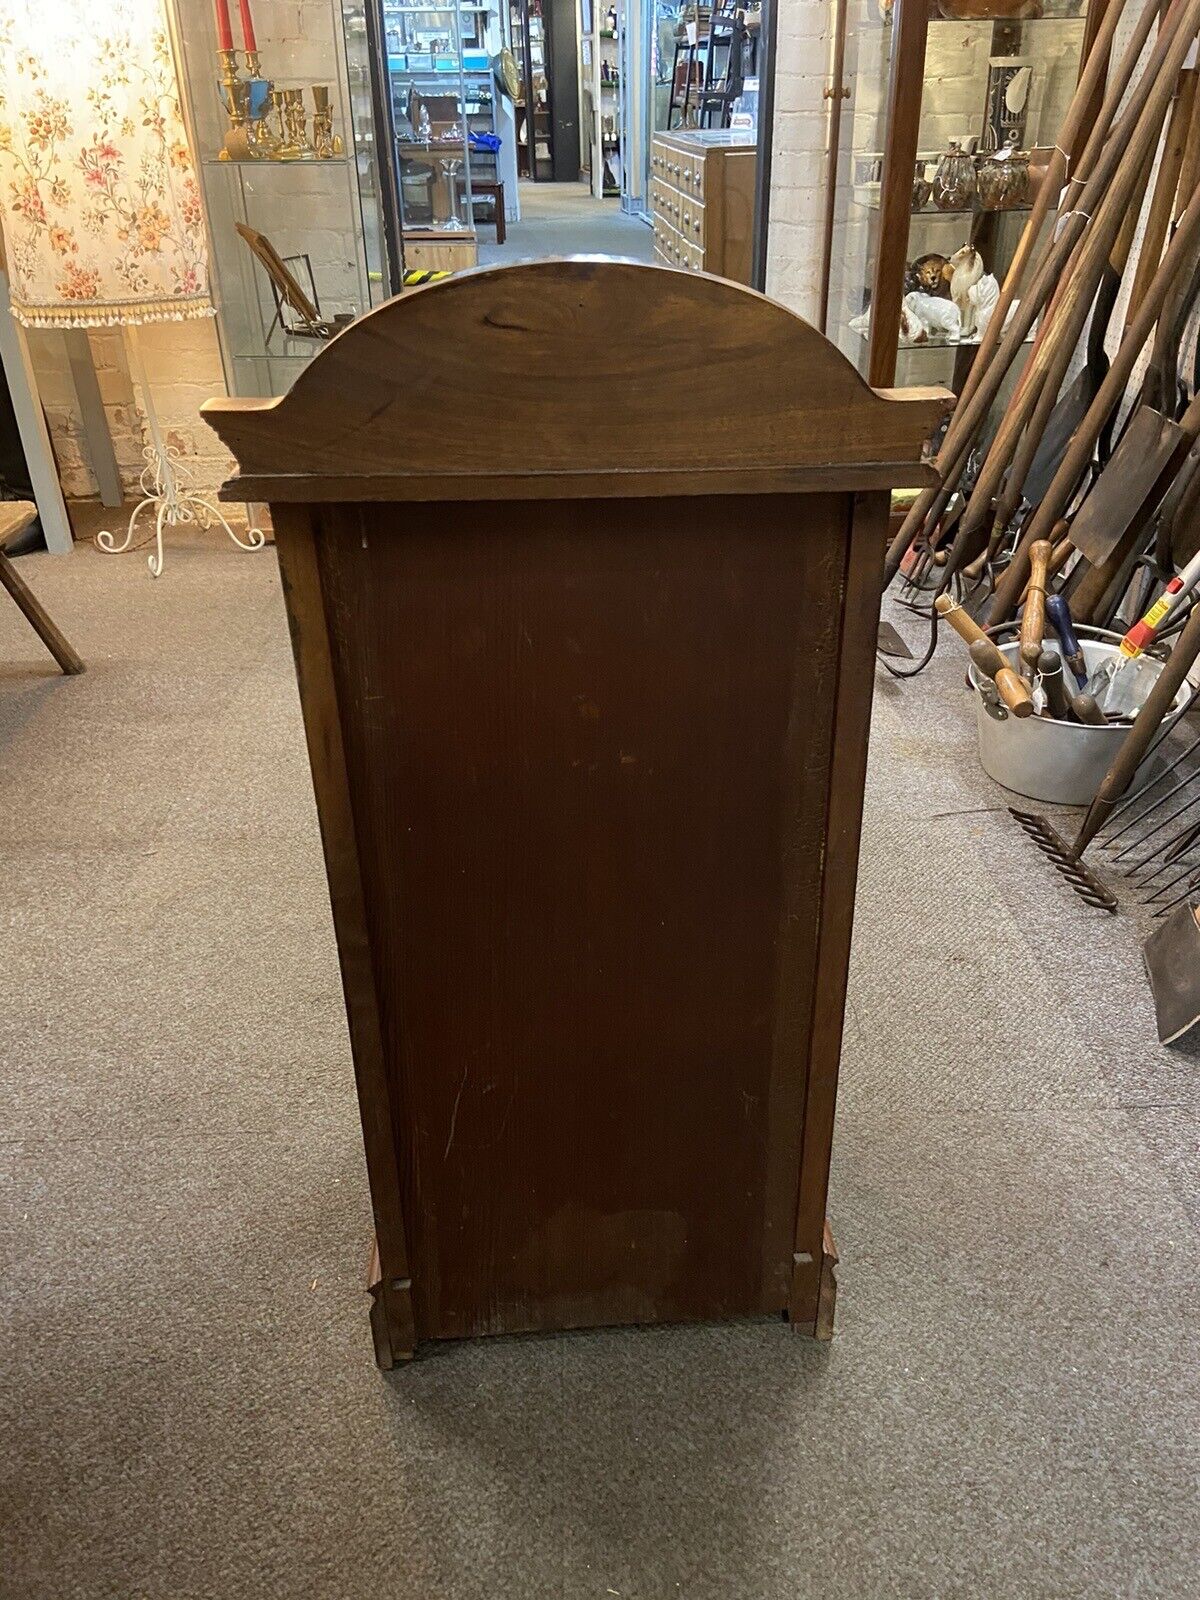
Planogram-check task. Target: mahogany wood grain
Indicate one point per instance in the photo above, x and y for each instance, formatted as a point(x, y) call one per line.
point(583, 865)
point(777, 396)
point(841, 807)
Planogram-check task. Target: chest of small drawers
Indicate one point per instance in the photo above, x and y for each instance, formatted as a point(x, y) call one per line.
point(702, 201)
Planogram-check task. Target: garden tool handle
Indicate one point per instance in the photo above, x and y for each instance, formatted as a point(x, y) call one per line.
point(1058, 615)
point(1085, 709)
point(1149, 719)
point(1010, 685)
point(1050, 670)
point(1033, 617)
point(1143, 634)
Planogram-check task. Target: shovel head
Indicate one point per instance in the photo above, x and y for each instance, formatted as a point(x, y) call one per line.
point(889, 643)
point(1172, 957)
point(1064, 419)
point(1150, 444)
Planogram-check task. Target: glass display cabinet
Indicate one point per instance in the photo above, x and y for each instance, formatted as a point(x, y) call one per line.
point(940, 108)
point(289, 163)
point(535, 123)
point(438, 79)
point(599, 85)
point(454, 123)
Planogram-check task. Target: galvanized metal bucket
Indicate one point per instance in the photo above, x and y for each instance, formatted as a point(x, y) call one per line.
point(1063, 763)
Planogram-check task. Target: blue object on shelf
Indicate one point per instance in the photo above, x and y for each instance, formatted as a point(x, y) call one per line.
point(486, 141)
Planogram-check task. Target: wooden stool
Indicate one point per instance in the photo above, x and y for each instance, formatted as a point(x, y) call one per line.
point(488, 189)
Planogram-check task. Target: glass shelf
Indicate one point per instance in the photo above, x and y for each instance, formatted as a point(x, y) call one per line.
point(937, 20)
point(935, 343)
point(261, 164)
point(872, 204)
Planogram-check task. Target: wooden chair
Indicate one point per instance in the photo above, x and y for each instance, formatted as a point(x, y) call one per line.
point(15, 517)
point(587, 710)
point(487, 189)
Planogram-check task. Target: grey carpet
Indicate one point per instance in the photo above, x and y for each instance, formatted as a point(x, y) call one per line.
point(189, 1406)
point(562, 219)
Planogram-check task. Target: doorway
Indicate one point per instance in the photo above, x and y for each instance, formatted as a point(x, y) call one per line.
point(524, 129)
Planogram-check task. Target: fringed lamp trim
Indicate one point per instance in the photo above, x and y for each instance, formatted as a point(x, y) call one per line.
point(112, 315)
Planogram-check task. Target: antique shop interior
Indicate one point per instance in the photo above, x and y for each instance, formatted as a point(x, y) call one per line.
point(600, 727)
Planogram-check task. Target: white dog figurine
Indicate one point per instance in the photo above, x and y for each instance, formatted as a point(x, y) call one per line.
point(967, 266)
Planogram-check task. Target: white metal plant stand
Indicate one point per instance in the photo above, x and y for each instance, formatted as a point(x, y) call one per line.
point(168, 495)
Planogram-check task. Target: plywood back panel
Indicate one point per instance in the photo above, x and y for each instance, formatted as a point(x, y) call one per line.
point(587, 750)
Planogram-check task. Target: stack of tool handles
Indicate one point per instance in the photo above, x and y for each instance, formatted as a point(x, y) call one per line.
point(1080, 509)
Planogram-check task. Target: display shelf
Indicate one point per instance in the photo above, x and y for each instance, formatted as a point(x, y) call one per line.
point(320, 212)
point(265, 164)
point(919, 84)
point(872, 204)
point(1037, 24)
point(432, 112)
point(601, 101)
point(936, 343)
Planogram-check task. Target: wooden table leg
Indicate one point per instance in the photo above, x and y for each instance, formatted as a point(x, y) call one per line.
point(38, 617)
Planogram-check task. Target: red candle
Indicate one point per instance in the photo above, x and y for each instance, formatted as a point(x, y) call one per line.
point(248, 39)
point(224, 31)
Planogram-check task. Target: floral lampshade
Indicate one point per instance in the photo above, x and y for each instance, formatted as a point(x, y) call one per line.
point(98, 194)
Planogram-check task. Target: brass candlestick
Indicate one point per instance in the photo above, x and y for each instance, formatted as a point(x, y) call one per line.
point(285, 149)
point(322, 122)
point(263, 138)
point(235, 93)
point(297, 121)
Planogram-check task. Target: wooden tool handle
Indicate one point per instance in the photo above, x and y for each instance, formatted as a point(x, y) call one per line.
point(988, 657)
point(1033, 618)
point(965, 626)
point(1086, 710)
point(1010, 686)
point(1050, 669)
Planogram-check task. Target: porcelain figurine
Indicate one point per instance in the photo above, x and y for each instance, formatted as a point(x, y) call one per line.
point(966, 269)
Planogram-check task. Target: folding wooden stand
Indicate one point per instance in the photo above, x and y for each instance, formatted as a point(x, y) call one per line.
point(587, 707)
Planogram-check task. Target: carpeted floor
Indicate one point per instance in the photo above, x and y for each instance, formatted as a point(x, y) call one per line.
point(563, 219)
point(189, 1405)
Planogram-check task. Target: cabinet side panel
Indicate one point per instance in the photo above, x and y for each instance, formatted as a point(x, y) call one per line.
point(584, 744)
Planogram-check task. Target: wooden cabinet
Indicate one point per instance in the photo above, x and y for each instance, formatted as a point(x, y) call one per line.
point(434, 250)
point(702, 202)
point(587, 710)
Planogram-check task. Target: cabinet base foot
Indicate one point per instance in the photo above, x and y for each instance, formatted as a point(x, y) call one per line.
point(814, 1291)
point(391, 1317)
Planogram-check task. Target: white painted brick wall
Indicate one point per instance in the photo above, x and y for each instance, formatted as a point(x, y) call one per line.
point(798, 155)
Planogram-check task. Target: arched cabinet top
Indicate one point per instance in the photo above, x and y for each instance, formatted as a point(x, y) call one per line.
point(584, 376)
